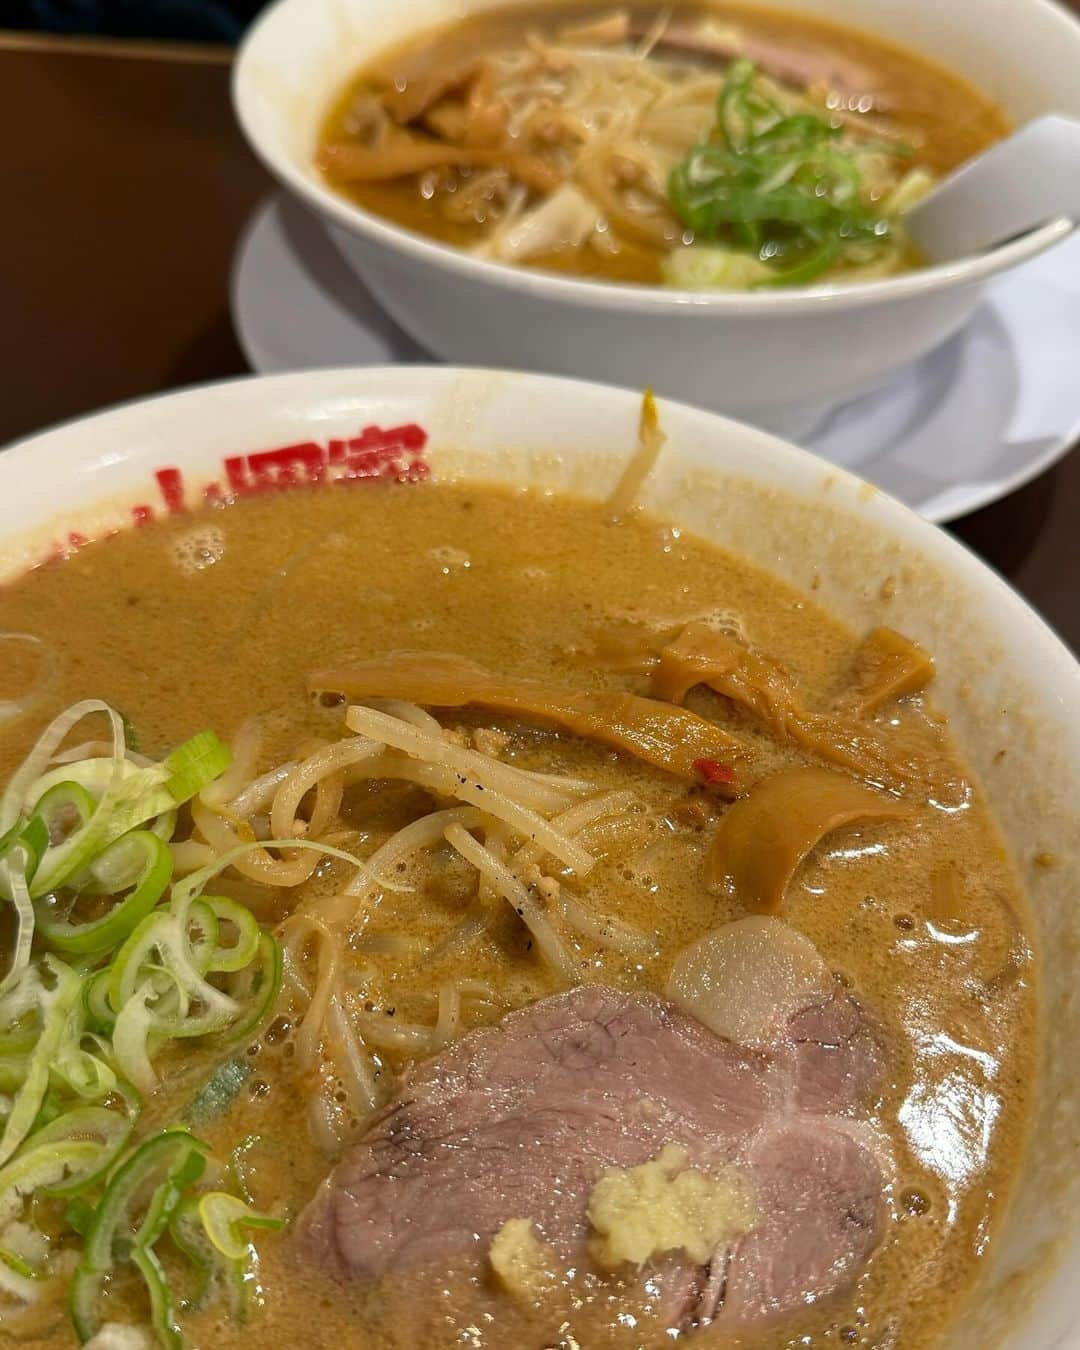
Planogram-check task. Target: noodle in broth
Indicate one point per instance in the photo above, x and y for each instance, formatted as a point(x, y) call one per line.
point(444, 858)
point(693, 146)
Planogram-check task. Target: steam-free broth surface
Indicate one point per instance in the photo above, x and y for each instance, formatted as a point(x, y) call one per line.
point(214, 619)
point(697, 146)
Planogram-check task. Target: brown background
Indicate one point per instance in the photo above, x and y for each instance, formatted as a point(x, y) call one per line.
point(124, 185)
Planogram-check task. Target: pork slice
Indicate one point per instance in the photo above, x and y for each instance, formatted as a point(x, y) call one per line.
point(819, 1190)
point(520, 1120)
point(839, 1057)
point(799, 65)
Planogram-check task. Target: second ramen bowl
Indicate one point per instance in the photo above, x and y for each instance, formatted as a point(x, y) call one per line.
point(780, 359)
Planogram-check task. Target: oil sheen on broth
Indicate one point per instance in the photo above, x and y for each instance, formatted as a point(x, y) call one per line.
point(210, 620)
point(563, 137)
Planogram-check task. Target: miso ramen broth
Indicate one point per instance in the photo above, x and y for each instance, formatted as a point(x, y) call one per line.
point(694, 146)
point(392, 655)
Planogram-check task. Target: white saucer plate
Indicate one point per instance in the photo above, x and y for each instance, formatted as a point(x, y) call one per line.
point(969, 423)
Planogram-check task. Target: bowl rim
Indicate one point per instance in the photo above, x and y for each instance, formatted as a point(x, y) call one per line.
point(590, 292)
point(861, 500)
point(1029, 647)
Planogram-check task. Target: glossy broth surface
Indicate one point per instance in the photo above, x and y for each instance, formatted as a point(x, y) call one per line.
point(939, 117)
point(211, 619)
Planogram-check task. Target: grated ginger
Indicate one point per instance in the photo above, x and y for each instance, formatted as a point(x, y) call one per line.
point(665, 1206)
point(525, 1266)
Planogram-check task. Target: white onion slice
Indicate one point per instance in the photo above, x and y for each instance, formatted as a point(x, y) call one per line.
point(745, 980)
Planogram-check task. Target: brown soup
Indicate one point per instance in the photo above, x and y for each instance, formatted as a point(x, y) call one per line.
point(221, 619)
point(695, 146)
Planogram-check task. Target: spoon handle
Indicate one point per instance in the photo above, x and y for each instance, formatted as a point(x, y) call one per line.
point(1025, 181)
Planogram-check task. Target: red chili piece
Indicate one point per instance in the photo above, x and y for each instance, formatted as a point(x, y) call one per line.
point(712, 771)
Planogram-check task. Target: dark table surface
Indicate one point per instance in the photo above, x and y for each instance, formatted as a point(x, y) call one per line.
point(125, 187)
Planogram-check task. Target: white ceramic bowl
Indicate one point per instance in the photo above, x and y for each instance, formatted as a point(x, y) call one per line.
point(778, 358)
point(1005, 680)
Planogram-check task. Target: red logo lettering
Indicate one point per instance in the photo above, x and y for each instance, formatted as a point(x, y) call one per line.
point(171, 483)
point(393, 454)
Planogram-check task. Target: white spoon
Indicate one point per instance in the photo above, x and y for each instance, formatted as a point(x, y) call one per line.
point(1027, 180)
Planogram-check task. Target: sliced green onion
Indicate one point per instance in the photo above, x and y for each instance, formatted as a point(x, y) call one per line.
point(151, 860)
point(82, 1072)
point(102, 772)
point(95, 1123)
point(84, 1301)
point(781, 186)
point(256, 988)
point(243, 950)
point(86, 1075)
point(9, 837)
point(99, 1014)
point(175, 1159)
point(188, 1233)
point(18, 1264)
point(224, 1216)
point(133, 797)
point(43, 1167)
point(160, 971)
point(203, 931)
point(17, 1002)
point(120, 782)
point(94, 775)
point(56, 1004)
point(195, 764)
point(176, 1155)
point(18, 1279)
point(160, 1008)
point(163, 941)
point(50, 1106)
point(147, 972)
point(743, 109)
point(59, 803)
point(20, 852)
point(63, 1157)
point(170, 963)
point(812, 266)
point(30, 839)
point(162, 1313)
point(166, 1198)
point(13, 1070)
point(189, 1236)
point(125, 796)
point(111, 1130)
point(14, 879)
point(79, 1215)
point(131, 1036)
point(21, 784)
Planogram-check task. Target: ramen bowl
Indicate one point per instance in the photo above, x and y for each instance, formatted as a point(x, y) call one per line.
point(1010, 688)
point(778, 358)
